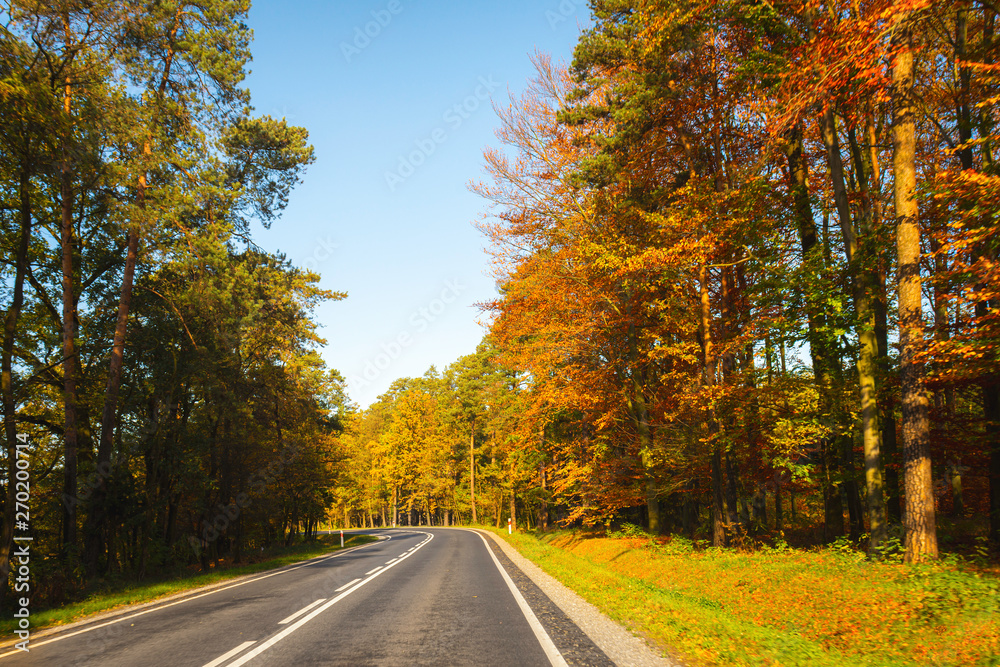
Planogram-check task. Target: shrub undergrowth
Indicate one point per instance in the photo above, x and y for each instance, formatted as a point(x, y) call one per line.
point(776, 605)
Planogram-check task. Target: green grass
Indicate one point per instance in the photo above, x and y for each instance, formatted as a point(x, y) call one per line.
point(778, 606)
point(114, 594)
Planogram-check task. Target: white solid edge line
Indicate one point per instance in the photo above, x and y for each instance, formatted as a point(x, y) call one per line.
point(316, 612)
point(551, 652)
point(348, 584)
point(289, 619)
point(226, 656)
point(311, 561)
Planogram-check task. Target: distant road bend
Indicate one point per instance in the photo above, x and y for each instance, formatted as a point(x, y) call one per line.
point(419, 597)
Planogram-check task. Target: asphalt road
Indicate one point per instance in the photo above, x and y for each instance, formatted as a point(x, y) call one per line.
point(421, 597)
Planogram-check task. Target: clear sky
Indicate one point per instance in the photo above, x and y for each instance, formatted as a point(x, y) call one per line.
point(396, 97)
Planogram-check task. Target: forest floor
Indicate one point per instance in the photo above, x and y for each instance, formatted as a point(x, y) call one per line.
point(112, 593)
point(779, 606)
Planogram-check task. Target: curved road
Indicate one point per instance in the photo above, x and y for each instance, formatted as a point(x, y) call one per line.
point(420, 597)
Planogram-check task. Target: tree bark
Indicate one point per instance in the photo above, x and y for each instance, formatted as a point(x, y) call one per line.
point(819, 346)
point(70, 434)
point(543, 511)
point(919, 518)
point(472, 471)
point(513, 507)
point(718, 500)
point(865, 276)
point(779, 515)
point(97, 518)
point(954, 472)
point(866, 341)
point(877, 258)
point(887, 413)
point(991, 412)
point(640, 416)
point(732, 494)
point(707, 381)
point(395, 506)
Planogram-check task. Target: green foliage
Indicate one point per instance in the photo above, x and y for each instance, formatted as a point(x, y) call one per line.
point(943, 592)
point(628, 531)
point(222, 433)
point(265, 160)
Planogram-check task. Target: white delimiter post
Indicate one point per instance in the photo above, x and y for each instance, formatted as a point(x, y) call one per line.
point(509, 525)
point(341, 539)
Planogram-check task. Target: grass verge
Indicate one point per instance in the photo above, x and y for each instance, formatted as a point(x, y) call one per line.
point(114, 594)
point(778, 606)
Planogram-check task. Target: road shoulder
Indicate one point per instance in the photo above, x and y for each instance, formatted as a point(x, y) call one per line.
point(614, 641)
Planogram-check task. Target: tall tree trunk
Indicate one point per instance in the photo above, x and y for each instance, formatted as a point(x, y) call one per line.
point(640, 416)
point(472, 471)
point(831, 142)
point(919, 519)
point(819, 345)
point(652, 504)
point(513, 506)
point(395, 506)
point(870, 434)
point(991, 412)
point(7, 381)
point(963, 110)
point(707, 381)
point(727, 326)
point(69, 365)
point(874, 266)
point(866, 338)
point(689, 508)
point(110, 413)
point(718, 500)
point(543, 511)
point(877, 268)
point(887, 413)
point(865, 287)
point(97, 519)
point(779, 516)
point(98, 515)
point(760, 506)
point(731, 492)
point(833, 499)
point(989, 389)
point(954, 474)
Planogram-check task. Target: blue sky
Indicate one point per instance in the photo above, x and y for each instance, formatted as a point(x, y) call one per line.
point(395, 95)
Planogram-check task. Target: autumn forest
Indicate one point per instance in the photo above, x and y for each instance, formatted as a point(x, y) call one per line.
point(748, 293)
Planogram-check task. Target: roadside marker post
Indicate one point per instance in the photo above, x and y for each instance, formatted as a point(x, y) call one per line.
point(341, 538)
point(510, 527)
